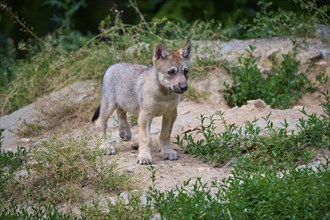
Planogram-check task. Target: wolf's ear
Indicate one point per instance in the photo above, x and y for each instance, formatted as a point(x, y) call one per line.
point(186, 49)
point(160, 51)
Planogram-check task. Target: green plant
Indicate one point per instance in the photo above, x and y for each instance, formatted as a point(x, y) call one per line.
point(281, 88)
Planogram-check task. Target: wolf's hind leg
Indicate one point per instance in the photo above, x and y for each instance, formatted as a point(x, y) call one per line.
point(123, 126)
point(106, 110)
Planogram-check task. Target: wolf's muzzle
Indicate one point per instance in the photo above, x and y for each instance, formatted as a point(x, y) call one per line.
point(180, 88)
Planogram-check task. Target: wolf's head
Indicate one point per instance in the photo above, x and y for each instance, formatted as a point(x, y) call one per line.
point(172, 67)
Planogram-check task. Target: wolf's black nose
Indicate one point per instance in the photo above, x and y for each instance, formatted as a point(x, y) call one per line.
point(183, 86)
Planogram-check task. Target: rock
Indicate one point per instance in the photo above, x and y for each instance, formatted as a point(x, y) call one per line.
point(70, 95)
point(298, 107)
point(325, 53)
point(156, 217)
point(143, 198)
point(124, 196)
point(109, 150)
point(313, 165)
point(322, 31)
point(203, 169)
point(260, 104)
point(131, 169)
point(271, 52)
point(21, 173)
point(26, 140)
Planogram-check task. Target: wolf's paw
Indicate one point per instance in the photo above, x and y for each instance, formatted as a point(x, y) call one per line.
point(125, 132)
point(144, 159)
point(169, 154)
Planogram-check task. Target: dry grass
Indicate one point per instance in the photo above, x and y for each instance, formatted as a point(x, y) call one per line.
point(61, 169)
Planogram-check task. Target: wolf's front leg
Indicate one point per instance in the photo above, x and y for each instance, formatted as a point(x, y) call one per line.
point(145, 141)
point(166, 149)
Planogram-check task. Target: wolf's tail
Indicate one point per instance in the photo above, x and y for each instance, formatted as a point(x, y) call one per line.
point(96, 114)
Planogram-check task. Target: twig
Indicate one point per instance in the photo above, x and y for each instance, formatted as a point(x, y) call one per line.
point(4, 6)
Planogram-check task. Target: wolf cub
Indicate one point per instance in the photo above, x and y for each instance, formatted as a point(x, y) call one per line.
point(147, 92)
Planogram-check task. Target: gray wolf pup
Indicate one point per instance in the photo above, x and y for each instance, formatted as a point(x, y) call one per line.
point(147, 92)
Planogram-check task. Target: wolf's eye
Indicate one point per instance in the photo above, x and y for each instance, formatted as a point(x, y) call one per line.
point(171, 72)
point(185, 71)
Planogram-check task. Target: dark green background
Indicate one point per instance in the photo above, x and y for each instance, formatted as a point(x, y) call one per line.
point(39, 16)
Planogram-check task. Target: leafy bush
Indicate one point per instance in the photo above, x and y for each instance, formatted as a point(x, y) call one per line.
point(281, 88)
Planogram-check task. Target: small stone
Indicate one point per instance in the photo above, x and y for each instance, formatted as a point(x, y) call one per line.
point(322, 63)
point(270, 53)
point(26, 140)
point(298, 107)
point(313, 165)
point(325, 53)
point(109, 151)
point(259, 103)
point(156, 217)
point(143, 198)
point(124, 196)
point(22, 173)
point(203, 169)
point(130, 169)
